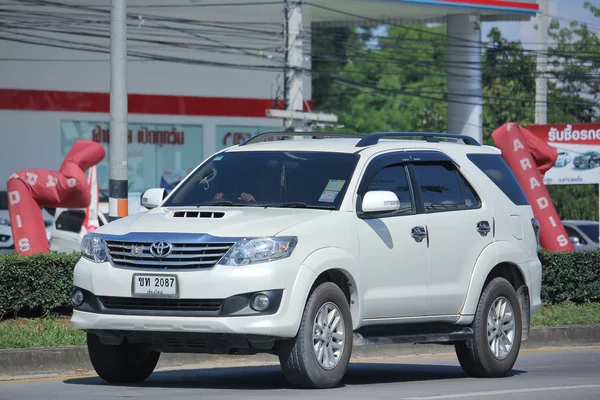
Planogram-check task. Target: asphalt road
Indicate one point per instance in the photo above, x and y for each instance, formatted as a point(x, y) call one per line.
point(567, 374)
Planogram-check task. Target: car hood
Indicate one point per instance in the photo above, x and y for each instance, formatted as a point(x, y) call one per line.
point(217, 221)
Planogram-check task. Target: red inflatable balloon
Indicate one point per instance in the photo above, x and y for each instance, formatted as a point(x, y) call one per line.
point(28, 190)
point(530, 158)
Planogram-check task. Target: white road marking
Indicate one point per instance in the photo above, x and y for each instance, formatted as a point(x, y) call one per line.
point(501, 392)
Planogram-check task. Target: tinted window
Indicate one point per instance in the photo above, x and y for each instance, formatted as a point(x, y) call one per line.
point(70, 221)
point(443, 188)
point(590, 231)
point(256, 178)
point(494, 166)
point(393, 178)
point(3, 200)
point(573, 233)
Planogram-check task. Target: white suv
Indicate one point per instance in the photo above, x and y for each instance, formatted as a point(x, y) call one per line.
point(304, 248)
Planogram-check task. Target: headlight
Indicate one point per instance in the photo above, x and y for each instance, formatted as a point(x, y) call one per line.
point(5, 221)
point(93, 248)
point(251, 251)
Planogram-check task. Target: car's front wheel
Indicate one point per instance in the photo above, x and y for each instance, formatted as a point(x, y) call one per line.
point(497, 326)
point(318, 356)
point(120, 364)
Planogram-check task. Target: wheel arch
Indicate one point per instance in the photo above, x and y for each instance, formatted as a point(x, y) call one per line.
point(501, 265)
point(337, 266)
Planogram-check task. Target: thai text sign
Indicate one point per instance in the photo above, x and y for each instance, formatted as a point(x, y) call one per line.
point(578, 147)
point(152, 149)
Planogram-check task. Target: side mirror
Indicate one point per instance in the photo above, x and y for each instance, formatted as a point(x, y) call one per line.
point(153, 197)
point(575, 240)
point(380, 201)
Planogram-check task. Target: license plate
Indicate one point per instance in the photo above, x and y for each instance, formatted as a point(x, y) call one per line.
point(154, 285)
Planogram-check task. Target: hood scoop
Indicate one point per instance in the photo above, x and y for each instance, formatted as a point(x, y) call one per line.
point(198, 214)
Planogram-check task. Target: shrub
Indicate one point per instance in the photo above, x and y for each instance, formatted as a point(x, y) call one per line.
point(570, 276)
point(36, 284)
point(39, 284)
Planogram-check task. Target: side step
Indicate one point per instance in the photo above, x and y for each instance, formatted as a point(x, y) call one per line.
point(416, 334)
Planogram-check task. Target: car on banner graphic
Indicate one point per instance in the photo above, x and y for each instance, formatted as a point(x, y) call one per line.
point(589, 159)
point(563, 159)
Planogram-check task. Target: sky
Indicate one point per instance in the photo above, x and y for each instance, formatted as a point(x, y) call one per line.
point(565, 9)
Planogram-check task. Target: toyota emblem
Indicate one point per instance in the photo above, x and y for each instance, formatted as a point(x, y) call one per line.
point(161, 249)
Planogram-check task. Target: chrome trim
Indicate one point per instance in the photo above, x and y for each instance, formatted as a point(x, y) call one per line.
point(190, 256)
point(418, 233)
point(160, 249)
point(483, 227)
point(180, 250)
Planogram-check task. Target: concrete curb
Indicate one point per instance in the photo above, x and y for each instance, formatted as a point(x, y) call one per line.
point(73, 360)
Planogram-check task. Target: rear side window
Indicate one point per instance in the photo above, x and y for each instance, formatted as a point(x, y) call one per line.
point(443, 188)
point(494, 166)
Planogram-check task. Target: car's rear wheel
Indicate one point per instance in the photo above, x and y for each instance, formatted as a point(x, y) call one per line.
point(497, 329)
point(124, 363)
point(318, 356)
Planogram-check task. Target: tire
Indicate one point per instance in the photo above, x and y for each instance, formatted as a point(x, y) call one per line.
point(122, 363)
point(476, 356)
point(297, 356)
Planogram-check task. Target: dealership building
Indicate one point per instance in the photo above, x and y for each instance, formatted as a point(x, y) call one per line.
point(200, 75)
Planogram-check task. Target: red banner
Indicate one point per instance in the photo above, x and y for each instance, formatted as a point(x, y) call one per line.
point(29, 190)
point(530, 157)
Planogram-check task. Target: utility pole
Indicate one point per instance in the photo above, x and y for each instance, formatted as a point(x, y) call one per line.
point(541, 82)
point(118, 186)
point(294, 118)
point(293, 61)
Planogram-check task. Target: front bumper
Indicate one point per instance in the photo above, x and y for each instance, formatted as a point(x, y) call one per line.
point(232, 286)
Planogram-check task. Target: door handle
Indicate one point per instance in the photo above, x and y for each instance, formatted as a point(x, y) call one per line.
point(483, 227)
point(418, 233)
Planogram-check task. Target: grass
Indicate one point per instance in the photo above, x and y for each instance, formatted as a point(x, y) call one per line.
point(39, 332)
point(567, 314)
point(57, 331)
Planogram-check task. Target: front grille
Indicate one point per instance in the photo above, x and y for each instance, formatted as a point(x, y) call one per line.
point(183, 255)
point(174, 343)
point(137, 303)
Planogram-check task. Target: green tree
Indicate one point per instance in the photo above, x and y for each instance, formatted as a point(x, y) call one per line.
point(381, 87)
point(400, 83)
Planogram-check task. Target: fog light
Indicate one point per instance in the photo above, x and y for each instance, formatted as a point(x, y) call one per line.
point(260, 302)
point(77, 297)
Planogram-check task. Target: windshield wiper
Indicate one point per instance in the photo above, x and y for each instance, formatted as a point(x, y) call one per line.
point(298, 205)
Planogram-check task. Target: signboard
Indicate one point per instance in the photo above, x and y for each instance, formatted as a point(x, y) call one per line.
point(231, 135)
point(578, 147)
point(154, 150)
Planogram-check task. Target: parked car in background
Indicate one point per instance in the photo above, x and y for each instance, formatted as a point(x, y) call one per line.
point(563, 159)
point(583, 234)
point(7, 244)
point(589, 159)
point(66, 227)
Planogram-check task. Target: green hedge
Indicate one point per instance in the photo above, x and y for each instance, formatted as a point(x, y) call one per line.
point(36, 284)
point(570, 276)
point(40, 284)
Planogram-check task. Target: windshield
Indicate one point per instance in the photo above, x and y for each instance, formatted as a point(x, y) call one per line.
point(590, 231)
point(294, 179)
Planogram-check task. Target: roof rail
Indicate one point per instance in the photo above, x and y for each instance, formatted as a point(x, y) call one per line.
point(315, 135)
point(373, 138)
